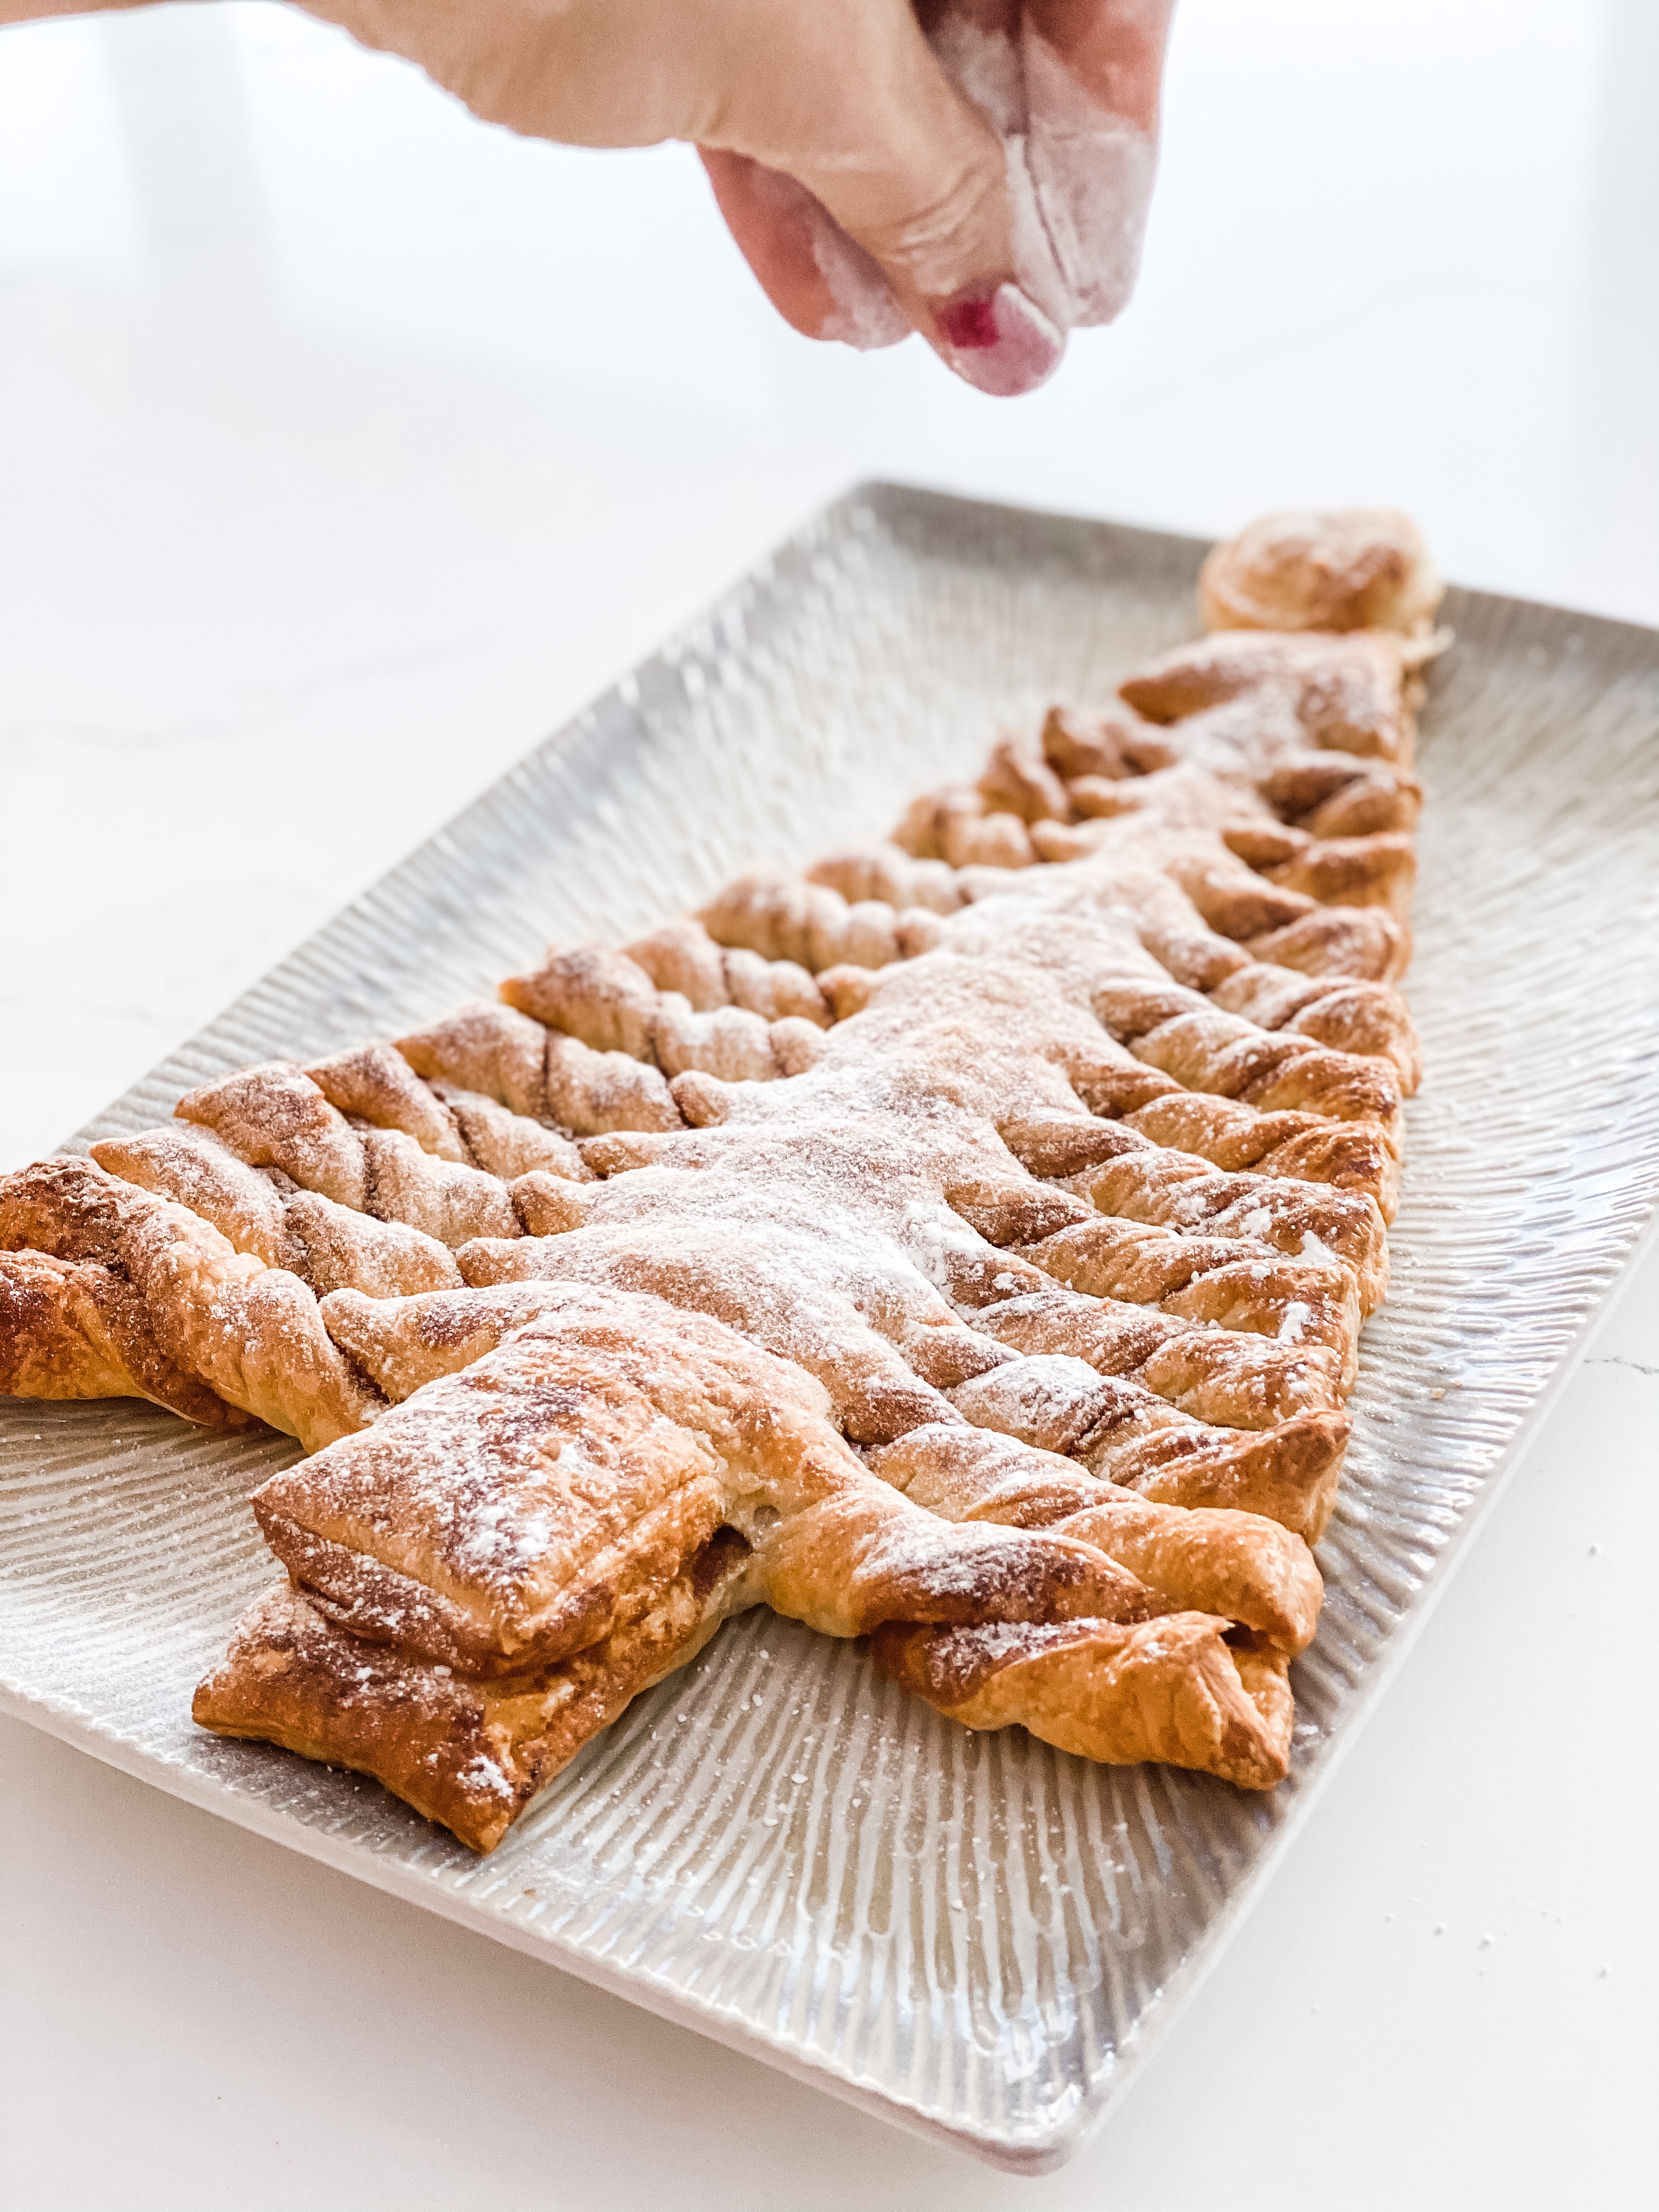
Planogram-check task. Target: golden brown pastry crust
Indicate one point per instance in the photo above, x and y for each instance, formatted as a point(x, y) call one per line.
point(1168, 1689)
point(548, 1505)
point(198, 1325)
point(1055, 1138)
point(470, 1753)
point(79, 1329)
point(262, 1211)
point(1239, 1565)
point(1344, 568)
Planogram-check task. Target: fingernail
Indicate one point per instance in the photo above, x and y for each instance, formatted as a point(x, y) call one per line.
point(999, 342)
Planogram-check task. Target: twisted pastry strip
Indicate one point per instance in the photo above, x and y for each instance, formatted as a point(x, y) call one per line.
point(1228, 1376)
point(328, 1246)
point(787, 918)
point(1349, 1014)
point(492, 1051)
point(1345, 1155)
point(1377, 869)
point(81, 1329)
point(275, 1116)
point(377, 1084)
point(1107, 745)
point(1175, 1190)
point(611, 1003)
point(681, 956)
point(1242, 901)
point(1365, 943)
point(1204, 1048)
point(1209, 1281)
point(1270, 920)
point(1061, 1405)
point(1336, 795)
point(1242, 1566)
point(1353, 693)
point(1123, 1173)
point(159, 1301)
point(891, 877)
point(1169, 1690)
point(958, 824)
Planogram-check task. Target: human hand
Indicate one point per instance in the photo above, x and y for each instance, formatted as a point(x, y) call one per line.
point(980, 173)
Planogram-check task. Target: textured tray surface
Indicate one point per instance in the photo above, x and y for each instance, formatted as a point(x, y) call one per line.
point(973, 1935)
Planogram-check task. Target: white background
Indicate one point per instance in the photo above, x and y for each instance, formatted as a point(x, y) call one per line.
point(345, 447)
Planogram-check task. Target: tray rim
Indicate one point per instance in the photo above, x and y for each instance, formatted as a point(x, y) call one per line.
point(69, 1724)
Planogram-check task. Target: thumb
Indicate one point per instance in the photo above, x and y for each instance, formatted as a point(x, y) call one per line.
point(901, 204)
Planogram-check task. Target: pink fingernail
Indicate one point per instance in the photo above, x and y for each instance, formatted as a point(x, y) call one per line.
point(999, 342)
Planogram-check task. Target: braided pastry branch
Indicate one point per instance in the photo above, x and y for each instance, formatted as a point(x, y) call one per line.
point(611, 1003)
point(1166, 1689)
point(787, 918)
point(197, 1326)
point(1350, 694)
point(1234, 1378)
point(493, 1050)
point(1242, 1566)
point(328, 1246)
point(275, 1116)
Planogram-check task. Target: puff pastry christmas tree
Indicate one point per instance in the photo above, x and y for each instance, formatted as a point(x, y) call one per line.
point(963, 1244)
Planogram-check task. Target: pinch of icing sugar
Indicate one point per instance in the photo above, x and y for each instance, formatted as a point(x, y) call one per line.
point(482, 1775)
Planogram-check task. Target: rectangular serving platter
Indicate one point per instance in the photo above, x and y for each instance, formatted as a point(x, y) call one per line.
point(975, 1936)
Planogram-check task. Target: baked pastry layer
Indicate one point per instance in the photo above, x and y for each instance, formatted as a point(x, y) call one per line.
point(965, 1243)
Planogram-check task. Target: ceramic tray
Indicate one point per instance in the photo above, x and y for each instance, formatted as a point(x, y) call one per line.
point(975, 1936)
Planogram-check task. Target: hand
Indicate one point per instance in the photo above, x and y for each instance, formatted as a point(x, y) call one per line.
point(977, 170)
point(980, 175)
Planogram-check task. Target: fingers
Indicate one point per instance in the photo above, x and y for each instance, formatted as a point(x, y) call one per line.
point(867, 188)
point(847, 97)
point(1093, 70)
point(993, 200)
point(1113, 49)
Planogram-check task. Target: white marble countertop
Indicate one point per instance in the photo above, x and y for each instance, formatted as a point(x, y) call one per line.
point(345, 448)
